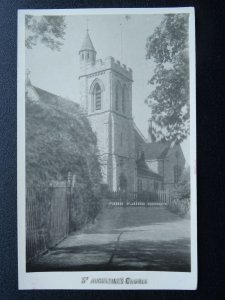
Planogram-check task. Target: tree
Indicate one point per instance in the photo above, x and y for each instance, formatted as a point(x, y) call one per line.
point(59, 140)
point(49, 30)
point(169, 100)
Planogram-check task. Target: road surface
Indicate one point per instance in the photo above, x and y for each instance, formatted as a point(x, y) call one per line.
point(130, 238)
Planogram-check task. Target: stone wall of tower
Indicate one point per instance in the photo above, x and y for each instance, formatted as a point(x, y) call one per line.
point(83, 90)
point(122, 131)
point(113, 128)
point(101, 125)
point(124, 160)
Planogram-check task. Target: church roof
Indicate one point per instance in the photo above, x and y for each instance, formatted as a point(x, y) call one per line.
point(138, 135)
point(143, 169)
point(87, 43)
point(156, 150)
point(56, 101)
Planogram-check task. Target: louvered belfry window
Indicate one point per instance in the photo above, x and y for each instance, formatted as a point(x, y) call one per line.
point(98, 97)
point(123, 99)
point(117, 97)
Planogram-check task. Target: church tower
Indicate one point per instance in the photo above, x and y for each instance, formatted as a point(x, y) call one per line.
point(87, 52)
point(106, 99)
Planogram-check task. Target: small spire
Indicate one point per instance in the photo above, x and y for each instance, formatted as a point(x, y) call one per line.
point(87, 43)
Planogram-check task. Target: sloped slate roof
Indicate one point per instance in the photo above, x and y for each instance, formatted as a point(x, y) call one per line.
point(143, 169)
point(138, 135)
point(140, 140)
point(87, 44)
point(57, 101)
point(156, 150)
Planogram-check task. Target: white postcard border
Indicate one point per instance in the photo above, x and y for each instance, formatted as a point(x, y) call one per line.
point(73, 280)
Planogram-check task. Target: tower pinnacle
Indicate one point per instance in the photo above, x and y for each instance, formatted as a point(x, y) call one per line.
point(87, 43)
point(87, 51)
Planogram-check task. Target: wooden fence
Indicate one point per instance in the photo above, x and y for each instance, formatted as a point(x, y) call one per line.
point(48, 212)
point(47, 218)
point(147, 199)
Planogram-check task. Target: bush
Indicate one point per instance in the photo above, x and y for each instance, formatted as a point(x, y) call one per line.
point(182, 189)
point(84, 209)
point(180, 207)
point(59, 140)
point(180, 195)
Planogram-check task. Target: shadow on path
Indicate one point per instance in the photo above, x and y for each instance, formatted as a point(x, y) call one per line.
point(117, 218)
point(152, 239)
point(155, 256)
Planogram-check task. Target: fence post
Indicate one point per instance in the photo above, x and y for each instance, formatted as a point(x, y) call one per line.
point(69, 186)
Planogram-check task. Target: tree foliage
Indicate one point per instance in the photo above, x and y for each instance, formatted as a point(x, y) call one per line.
point(180, 195)
point(182, 189)
point(49, 30)
point(169, 100)
point(59, 140)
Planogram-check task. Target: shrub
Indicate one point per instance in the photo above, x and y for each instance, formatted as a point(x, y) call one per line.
point(59, 139)
point(180, 195)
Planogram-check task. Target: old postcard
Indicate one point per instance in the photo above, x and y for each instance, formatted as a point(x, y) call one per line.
point(107, 149)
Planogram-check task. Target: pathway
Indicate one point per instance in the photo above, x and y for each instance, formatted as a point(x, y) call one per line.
point(131, 238)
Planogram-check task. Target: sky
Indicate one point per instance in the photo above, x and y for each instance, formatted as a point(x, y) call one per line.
point(111, 35)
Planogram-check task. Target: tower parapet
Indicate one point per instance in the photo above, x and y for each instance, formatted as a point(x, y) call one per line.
point(105, 65)
point(118, 67)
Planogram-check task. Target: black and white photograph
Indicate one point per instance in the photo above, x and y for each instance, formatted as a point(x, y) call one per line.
point(106, 149)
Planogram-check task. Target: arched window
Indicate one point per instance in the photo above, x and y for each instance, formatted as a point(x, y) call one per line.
point(177, 173)
point(97, 97)
point(82, 56)
point(117, 97)
point(122, 182)
point(156, 185)
point(124, 98)
point(96, 93)
point(139, 185)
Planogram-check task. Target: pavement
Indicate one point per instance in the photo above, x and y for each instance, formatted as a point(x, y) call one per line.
point(130, 238)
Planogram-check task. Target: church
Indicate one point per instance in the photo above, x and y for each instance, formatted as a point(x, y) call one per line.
point(128, 160)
